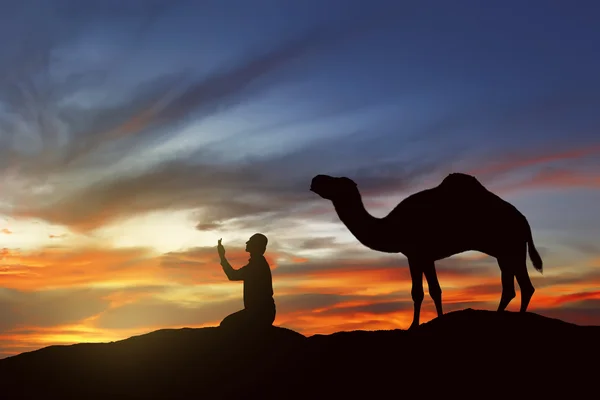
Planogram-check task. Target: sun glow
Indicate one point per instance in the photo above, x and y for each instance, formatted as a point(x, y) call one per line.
point(163, 231)
point(30, 234)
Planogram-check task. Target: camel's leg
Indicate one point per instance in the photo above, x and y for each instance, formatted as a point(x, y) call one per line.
point(435, 291)
point(417, 293)
point(508, 282)
point(525, 285)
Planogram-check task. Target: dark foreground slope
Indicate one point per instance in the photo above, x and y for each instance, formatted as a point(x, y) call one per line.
point(468, 353)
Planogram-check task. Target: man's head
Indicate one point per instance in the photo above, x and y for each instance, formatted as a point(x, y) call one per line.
point(257, 244)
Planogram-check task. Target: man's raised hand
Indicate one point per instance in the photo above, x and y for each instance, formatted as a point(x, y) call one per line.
point(220, 249)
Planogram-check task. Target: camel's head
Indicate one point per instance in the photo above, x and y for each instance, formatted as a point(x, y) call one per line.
point(333, 188)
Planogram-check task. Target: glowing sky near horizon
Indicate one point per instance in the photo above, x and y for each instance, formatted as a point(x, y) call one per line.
point(133, 137)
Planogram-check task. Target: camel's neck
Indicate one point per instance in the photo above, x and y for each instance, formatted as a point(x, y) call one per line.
point(375, 233)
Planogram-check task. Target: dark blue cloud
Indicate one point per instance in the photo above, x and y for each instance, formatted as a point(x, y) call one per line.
point(391, 95)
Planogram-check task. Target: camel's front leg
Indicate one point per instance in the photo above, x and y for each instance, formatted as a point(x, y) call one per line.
point(417, 293)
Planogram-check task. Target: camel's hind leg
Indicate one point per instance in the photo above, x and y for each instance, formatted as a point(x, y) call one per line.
point(508, 281)
point(525, 284)
point(515, 265)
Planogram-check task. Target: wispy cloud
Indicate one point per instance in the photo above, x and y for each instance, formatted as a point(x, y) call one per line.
point(553, 178)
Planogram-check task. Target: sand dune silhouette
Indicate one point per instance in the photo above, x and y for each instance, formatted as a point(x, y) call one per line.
point(475, 352)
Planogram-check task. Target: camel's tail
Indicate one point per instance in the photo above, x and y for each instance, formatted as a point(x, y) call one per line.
point(533, 253)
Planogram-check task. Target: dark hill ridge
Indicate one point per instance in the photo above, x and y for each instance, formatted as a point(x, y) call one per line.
point(469, 353)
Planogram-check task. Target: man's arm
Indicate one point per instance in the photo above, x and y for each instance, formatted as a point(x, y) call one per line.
point(232, 274)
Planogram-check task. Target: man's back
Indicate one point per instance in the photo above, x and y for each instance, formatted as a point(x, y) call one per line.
point(258, 284)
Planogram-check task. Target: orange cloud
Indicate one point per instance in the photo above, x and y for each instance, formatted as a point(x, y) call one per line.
point(6, 231)
point(4, 252)
point(64, 267)
point(365, 316)
point(29, 338)
point(376, 276)
point(560, 300)
point(351, 315)
point(391, 290)
point(188, 288)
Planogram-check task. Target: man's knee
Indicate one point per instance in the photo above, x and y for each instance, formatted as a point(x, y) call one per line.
point(262, 317)
point(225, 322)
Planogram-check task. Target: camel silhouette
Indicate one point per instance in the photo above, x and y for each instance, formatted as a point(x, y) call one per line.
point(458, 215)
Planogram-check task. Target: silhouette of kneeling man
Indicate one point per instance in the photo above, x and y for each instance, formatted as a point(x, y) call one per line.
point(259, 305)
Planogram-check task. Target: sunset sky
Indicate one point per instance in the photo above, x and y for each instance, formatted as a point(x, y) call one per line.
point(133, 137)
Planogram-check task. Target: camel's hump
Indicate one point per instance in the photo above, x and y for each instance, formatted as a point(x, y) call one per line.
point(460, 181)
